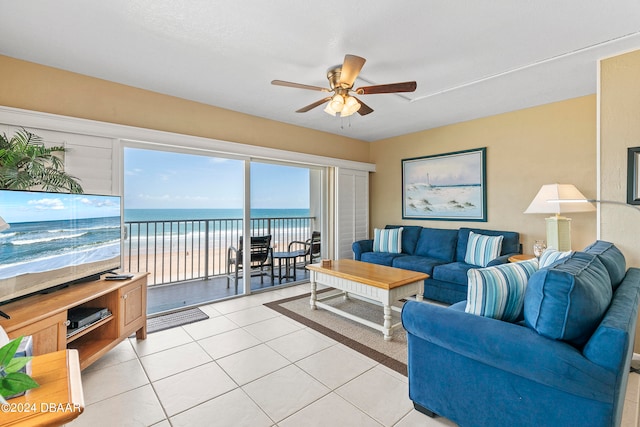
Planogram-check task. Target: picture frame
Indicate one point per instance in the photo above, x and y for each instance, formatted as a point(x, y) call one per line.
point(633, 175)
point(449, 187)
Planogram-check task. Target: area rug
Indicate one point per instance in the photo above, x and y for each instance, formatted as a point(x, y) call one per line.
point(359, 337)
point(178, 318)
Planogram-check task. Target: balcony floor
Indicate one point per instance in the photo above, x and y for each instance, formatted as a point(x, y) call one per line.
point(179, 295)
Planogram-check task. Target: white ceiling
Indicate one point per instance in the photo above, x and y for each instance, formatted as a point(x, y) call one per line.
point(470, 58)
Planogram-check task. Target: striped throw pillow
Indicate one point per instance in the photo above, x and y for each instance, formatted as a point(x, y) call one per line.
point(482, 249)
point(550, 256)
point(498, 292)
point(387, 240)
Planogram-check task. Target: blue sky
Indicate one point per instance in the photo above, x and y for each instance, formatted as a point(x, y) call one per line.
point(166, 180)
point(25, 206)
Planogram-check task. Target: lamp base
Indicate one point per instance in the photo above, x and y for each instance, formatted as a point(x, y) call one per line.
point(559, 233)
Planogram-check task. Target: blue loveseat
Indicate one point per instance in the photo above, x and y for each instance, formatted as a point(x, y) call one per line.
point(440, 253)
point(565, 364)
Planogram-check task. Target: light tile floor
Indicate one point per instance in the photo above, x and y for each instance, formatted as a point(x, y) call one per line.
point(250, 366)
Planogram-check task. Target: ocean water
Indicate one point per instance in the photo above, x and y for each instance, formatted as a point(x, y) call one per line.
point(164, 230)
point(33, 247)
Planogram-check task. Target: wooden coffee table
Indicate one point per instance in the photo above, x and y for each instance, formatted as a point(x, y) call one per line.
point(370, 282)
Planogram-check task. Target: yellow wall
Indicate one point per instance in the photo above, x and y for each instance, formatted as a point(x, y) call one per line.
point(619, 99)
point(525, 149)
point(619, 129)
point(36, 87)
point(553, 143)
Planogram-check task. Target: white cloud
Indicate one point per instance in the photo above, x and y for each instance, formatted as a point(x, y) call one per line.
point(48, 204)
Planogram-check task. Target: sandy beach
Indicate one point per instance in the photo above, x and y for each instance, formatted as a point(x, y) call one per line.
point(178, 266)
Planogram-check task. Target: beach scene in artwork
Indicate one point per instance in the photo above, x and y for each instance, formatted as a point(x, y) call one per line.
point(447, 186)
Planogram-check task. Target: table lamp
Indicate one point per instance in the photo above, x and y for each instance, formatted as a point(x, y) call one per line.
point(549, 201)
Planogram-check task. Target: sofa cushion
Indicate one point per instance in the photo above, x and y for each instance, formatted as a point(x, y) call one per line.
point(567, 300)
point(437, 243)
point(417, 263)
point(498, 292)
point(482, 249)
point(455, 272)
point(612, 259)
point(550, 256)
point(387, 240)
point(381, 258)
point(510, 241)
point(410, 235)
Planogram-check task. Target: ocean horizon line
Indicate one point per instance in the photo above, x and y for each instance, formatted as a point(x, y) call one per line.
point(155, 214)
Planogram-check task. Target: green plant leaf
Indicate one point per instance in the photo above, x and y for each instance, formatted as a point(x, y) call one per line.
point(7, 352)
point(16, 364)
point(25, 163)
point(15, 383)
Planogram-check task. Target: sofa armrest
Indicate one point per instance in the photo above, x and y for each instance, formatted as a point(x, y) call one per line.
point(502, 259)
point(360, 247)
point(509, 347)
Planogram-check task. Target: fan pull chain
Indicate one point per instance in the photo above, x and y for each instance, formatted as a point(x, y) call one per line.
point(342, 122)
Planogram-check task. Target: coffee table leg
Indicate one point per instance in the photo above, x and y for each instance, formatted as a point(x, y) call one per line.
point(387, 323)
point(312, 301)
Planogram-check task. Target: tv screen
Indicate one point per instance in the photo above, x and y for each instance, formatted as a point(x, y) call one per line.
point(50, 239)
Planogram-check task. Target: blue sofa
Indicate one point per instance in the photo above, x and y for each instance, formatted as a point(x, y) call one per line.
point(440, 253)
point(566, 364)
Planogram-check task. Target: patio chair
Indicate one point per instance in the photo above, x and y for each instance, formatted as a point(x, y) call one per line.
point(261, 257)
point(309, 249)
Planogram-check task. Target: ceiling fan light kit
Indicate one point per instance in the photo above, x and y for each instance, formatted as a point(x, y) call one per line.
point(343, 105)
point(341, 79)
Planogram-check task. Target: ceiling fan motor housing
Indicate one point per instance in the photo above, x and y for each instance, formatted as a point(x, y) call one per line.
point(333, 74)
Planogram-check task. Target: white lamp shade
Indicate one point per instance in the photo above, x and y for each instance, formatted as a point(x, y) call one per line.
point(557, 193)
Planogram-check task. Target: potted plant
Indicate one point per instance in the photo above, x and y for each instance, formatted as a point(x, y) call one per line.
point(13, 381)
point(26, 163)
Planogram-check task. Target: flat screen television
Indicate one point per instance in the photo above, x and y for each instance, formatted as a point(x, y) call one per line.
point(52, 239)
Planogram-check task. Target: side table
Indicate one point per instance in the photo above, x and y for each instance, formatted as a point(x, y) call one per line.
point(59, 398)
point(520, 257)
point(288, 257)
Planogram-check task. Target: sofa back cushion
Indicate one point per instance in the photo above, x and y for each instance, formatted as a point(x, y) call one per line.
point(510, 241)
point(568, 300)
point(612, 259)
point(410, 236)
point(437, 243)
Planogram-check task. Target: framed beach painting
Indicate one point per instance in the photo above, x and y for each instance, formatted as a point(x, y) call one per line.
point(449, 186)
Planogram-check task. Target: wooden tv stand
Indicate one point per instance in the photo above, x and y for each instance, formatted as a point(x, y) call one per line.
point(44, 317)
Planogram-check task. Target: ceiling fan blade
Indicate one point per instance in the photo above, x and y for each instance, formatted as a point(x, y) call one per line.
point(312, 106)
point(298, 85)
point(364, 108)
point(350, 69)
point(388, 88)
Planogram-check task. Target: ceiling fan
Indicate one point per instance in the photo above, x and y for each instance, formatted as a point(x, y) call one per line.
point(341, 79)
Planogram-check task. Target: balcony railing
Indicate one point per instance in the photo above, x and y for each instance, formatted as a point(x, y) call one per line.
point(179, 250)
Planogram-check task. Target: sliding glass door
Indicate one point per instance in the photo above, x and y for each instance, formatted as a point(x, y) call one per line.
point(184, 214)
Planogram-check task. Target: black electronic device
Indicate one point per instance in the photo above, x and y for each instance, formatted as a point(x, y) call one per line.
point(80, 317)
point(118, 276)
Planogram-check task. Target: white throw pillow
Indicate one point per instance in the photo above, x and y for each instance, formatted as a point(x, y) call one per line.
point(482, 249)
point(550, 256)
point(498, 292)
point(387, 240)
